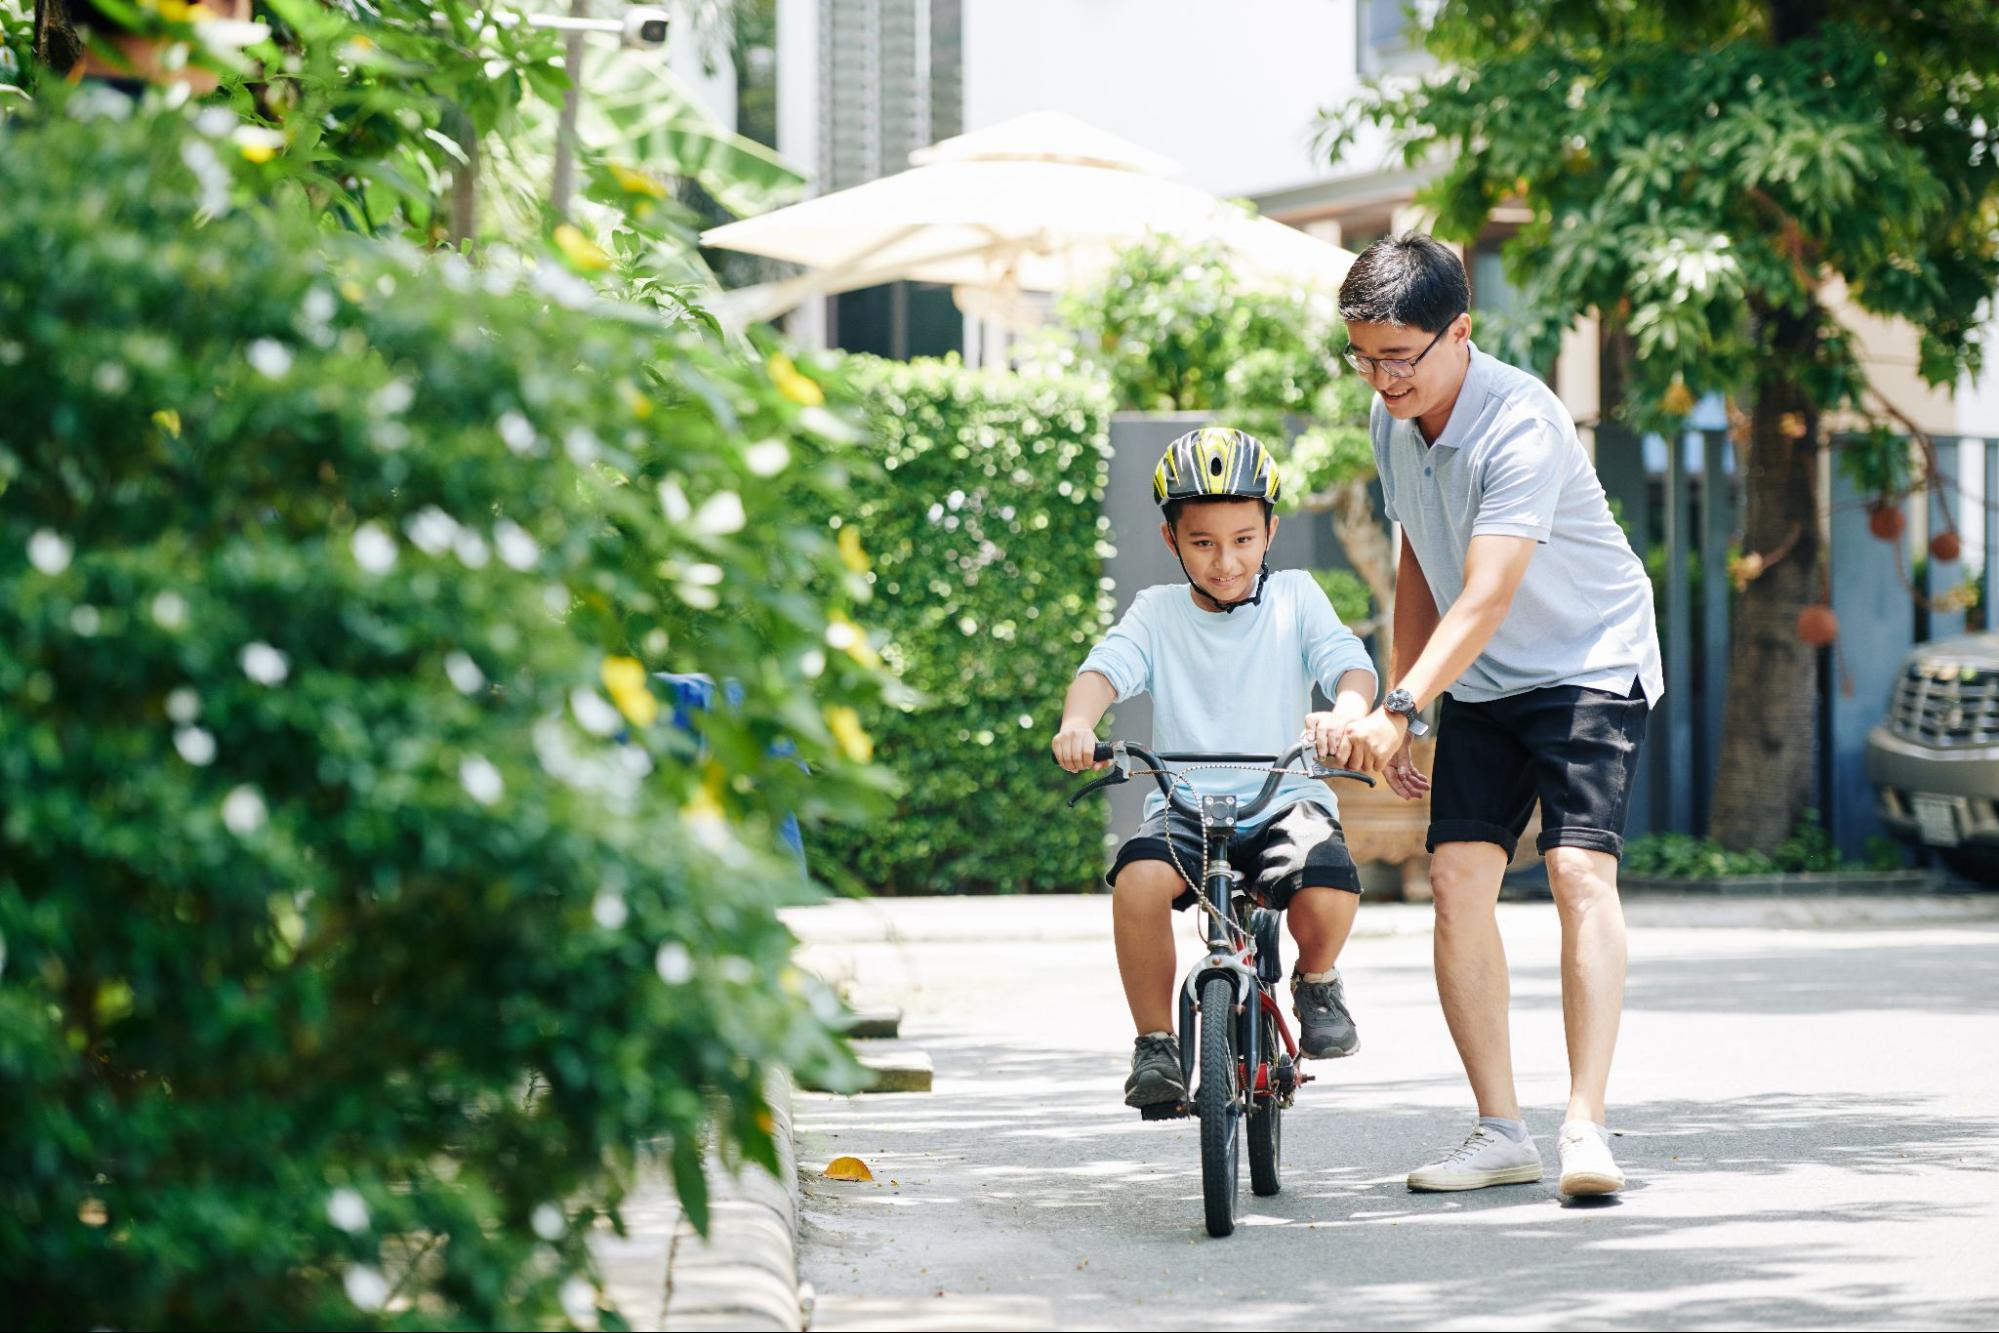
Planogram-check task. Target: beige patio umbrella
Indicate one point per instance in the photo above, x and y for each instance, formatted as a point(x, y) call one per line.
point(1041, 203)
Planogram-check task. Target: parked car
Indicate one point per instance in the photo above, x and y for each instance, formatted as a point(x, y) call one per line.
point(1934, 759)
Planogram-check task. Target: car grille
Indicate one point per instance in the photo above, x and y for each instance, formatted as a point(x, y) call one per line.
point(1946, 705)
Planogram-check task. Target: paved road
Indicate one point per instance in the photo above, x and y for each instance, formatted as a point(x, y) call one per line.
point(1809, 1114)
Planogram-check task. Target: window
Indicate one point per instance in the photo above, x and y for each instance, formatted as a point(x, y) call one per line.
point(1499, 314)
point(1390, 38)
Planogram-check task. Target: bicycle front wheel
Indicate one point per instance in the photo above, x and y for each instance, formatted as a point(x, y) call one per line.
point(1218, 1102)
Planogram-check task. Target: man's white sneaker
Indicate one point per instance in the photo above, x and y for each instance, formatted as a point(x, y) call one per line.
point(1486, 1157)
point(1587, 1166)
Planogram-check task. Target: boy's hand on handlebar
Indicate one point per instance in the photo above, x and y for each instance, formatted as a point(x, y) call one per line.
point(1329, 732)
point(1075, 748)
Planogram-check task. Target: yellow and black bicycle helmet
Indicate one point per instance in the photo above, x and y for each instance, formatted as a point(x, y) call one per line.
point(1215, 462)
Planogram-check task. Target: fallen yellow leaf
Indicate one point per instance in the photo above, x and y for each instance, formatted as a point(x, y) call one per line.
point(848, 1168)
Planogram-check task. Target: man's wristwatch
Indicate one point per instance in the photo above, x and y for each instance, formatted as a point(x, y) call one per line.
point(1401, 701)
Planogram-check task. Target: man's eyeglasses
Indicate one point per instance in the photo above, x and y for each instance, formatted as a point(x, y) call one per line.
point(1398, 368)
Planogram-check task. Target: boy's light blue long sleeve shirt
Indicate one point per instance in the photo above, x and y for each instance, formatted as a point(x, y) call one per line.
point(1238, 682)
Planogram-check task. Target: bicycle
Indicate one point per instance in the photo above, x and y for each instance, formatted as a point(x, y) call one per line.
point(1231, 1027)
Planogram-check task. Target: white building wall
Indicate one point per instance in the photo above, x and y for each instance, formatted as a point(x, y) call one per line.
point(1978, 398)
point(798, 107)
point(699, 60)
point(1230, 90)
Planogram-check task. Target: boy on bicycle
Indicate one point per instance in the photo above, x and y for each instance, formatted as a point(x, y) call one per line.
point(1230, 658)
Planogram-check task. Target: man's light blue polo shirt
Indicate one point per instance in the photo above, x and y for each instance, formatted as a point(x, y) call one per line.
point(1509, 463)
point(1237, 682)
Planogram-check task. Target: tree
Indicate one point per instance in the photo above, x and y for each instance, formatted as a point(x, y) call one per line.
point(1706, 174)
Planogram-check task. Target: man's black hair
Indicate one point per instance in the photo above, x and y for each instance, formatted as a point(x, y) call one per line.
point(1171, 509)
point(1408, 279)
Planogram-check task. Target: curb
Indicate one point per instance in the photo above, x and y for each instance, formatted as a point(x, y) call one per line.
point(744, 1275)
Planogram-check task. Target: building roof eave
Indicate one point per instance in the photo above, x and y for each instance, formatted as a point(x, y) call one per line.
point(1335, 195)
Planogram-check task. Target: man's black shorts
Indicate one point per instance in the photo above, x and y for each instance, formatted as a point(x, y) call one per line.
point(1299, 847)
point(1573, 748)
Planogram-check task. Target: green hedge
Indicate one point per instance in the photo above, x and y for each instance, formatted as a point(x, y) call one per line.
point(345, 948)
point(987, 542)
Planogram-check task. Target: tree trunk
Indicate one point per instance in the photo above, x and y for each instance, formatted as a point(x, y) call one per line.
point(1770, 719)
point(1365, 540)
point(56, 43)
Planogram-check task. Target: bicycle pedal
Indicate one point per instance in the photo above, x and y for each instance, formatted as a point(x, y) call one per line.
point(1163, 1111)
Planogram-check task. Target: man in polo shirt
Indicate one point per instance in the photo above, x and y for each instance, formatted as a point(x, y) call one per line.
point(1521, 604)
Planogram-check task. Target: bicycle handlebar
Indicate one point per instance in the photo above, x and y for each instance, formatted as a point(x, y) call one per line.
point(1107, 750)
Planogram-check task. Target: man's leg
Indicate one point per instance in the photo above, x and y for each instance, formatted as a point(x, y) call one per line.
point(1142, 926)
point(1593, 958)
point(1471, 969)
point(1586, 745)
point(1471, 983)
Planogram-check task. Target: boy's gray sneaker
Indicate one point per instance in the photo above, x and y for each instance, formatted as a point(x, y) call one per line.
point(1325, 1028)
point(1155, 1072)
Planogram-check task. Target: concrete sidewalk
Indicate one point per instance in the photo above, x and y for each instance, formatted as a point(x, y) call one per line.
point(1806, 1091)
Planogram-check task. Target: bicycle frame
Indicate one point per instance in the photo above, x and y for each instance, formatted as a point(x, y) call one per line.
point(1242, 962)
point(1226, 957)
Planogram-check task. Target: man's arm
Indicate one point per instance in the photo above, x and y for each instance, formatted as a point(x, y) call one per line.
point(1415, 613)
point(1494, 566)
point(1090, 695)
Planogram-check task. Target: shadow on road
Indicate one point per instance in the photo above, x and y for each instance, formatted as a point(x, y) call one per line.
point(1022, 1177)
point(1956, 977)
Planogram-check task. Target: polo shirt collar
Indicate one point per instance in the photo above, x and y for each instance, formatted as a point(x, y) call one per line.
point(1462, 412)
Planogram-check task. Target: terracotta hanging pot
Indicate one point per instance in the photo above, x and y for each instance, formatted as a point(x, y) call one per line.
point(1884, 520)
point(1818, 626)
point(1946, 547)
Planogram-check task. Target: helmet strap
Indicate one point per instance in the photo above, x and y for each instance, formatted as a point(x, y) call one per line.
point(1254, 599)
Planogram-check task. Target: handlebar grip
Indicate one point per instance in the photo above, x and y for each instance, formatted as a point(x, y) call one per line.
point(1103, 752)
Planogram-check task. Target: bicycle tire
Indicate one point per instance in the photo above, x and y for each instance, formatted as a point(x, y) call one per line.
point(1215, 1101)
point(1266, 1122)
